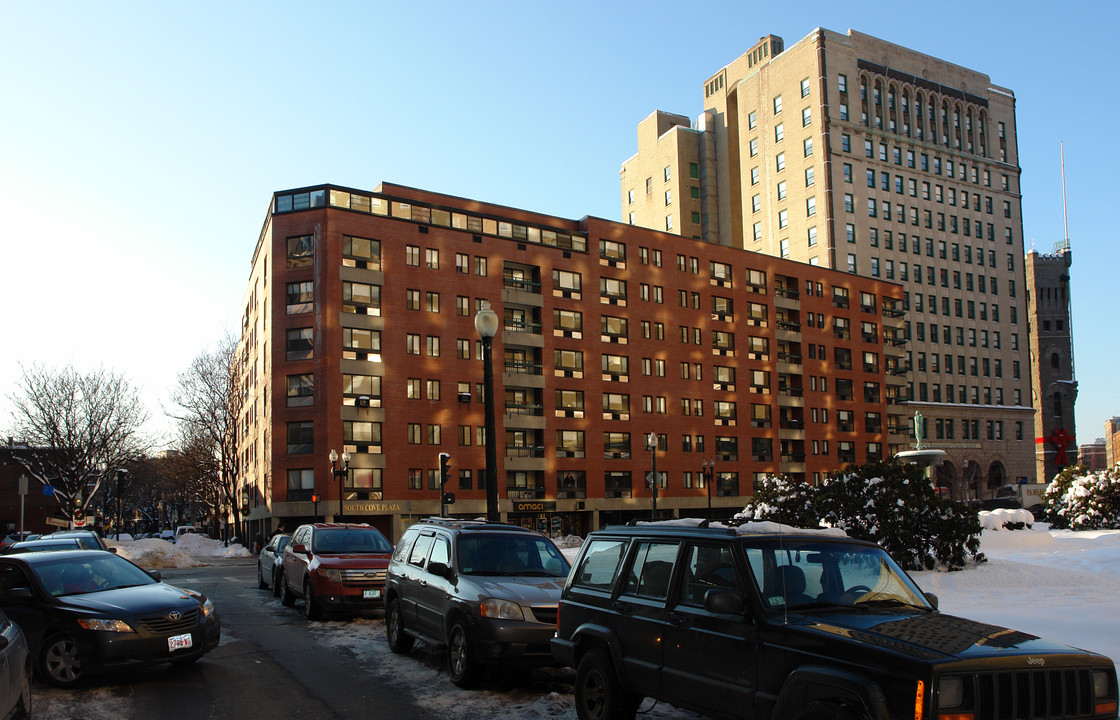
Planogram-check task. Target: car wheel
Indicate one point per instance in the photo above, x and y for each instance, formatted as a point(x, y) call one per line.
point(598, 694)
point(287, 599)
point(60, 662)
point(275, 584)
point(462, 666)
point(399, 640)
point(261, 584)
point(311, 608)
point(23, 708)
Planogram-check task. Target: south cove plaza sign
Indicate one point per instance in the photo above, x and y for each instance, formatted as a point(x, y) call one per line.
point(372, 507)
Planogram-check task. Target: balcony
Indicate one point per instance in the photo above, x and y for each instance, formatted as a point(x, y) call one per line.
point(522, 284)
point(522, 326)
point(524, 451)
point(523, 493)
point(521, 367)
point(536, 409)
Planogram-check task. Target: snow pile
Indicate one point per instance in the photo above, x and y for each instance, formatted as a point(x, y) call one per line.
point(1013, 519)
point(199, 545)
point(153, 554)
point(567, 541)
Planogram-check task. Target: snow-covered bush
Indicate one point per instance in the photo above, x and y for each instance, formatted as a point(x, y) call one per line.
point(888, 503)
point(1081, 500)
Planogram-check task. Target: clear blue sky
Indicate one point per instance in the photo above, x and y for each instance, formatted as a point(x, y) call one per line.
point(141, 141)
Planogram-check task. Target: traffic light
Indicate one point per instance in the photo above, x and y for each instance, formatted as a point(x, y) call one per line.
point(444, 470)
point(448, 498)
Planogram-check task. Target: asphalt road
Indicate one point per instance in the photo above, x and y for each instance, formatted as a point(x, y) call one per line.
point(268, 666)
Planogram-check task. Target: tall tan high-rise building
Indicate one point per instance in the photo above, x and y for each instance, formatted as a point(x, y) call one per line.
point(857, 154)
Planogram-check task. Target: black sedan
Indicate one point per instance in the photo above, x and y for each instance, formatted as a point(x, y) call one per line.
point(86, 611)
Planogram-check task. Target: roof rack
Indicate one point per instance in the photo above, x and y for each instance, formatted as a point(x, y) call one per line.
point(480, 524)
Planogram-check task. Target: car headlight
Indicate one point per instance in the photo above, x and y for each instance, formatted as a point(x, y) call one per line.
point(207, 606)
point(501, 609)
point(950, 693)
point(105, 625)
point(1100, 684)
point(334, 575)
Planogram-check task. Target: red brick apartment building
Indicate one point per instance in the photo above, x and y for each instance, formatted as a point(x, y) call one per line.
point(359, 336)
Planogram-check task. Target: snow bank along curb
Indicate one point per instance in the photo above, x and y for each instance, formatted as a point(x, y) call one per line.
point(155, 554)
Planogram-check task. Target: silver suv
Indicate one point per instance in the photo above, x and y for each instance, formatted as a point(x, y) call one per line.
point(487, 592)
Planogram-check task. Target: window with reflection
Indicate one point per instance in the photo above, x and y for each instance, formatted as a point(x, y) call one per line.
point(301, 251)
point(361, 252)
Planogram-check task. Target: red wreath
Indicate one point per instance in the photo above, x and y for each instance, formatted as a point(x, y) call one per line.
point(1060, 439)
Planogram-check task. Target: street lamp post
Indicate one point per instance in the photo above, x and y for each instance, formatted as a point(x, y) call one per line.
point(486, 323)
point(708, 471)
point(121, 475)
point(340, 473)
point(651, 443)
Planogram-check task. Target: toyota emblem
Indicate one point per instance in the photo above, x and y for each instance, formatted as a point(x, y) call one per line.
point(174, 616)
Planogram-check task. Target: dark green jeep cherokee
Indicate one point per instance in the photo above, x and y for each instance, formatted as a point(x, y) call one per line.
point(804, 625)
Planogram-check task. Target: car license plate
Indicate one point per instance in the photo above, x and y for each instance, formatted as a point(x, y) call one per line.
point(371, 594)
point(179, 642)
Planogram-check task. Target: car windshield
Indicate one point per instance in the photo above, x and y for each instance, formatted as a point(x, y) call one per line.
point(334, 541)
point(803, 574)
point(510, 555)
point(76, 576)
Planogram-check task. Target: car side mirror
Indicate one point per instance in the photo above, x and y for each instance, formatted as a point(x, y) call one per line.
point(932, 599)
point(20, 594)
point(724, 601)
point(156, 575)
point(113, 550)
point(299, 549)
point(441, 569)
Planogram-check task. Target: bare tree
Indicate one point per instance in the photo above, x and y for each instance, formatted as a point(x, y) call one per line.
point(79, 429)
point(210, 398)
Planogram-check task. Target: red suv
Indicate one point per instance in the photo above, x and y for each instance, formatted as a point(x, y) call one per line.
point(335, 567)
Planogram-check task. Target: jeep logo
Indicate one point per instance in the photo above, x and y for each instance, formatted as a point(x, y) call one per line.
point(1036, 661)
